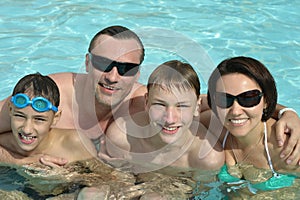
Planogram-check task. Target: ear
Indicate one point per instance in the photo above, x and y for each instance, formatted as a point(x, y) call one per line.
point(10, 108)
point(87, 60)
point(57, 116)
point(198, 107)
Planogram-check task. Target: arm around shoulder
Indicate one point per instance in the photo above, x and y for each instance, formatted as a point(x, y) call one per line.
point(204, 103)
point(137, 103)
point(116, 141)
point(289, 122)
point(79, 146)
point(4, 115)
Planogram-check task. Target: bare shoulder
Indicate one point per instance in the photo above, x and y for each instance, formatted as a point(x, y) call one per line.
point(137, 98)
point(62, 77)
point(65, 83)
point(7, 140)
point(204, 102)
point(4, 115)
point(116, 138)
point(139, 90)
point(116, 129)
point(76, 141)
point(211, 122)
point(207, 152)
point(65, 80)
point(124, 133)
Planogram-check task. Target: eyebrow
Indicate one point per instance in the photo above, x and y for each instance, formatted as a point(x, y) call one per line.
point(162, 101)
point(37, 115)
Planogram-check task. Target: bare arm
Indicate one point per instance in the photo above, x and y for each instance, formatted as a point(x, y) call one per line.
point(137, 103)
point(70, 144)
point(289, 124)
point(79, 146)
point(212, 123)
point(116, 142)
point(4, 116)
point(204, 103)
point(10, 158)
point(114, 148)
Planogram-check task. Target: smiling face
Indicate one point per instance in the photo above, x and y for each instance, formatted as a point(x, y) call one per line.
point(238, 120)
point(171, 113)
point(30, 127)
point(110, 87)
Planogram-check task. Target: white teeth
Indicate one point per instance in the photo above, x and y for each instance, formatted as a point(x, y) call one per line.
point(170, 128)
point(27, 138)
point(238, 121)
point(108, 87)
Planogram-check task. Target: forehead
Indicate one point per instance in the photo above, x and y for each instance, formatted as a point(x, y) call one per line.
point(117, 49)
point(236, 83)
point(172, 94)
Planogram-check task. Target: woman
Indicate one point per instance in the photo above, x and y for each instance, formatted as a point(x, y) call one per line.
point(242, 93)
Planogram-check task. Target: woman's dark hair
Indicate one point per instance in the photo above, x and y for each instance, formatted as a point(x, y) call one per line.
point(251, 68)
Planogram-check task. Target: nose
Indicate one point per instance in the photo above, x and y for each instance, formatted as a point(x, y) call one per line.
point(171, 115)
point(113, 75)
point(28, 126)
point(236, 108)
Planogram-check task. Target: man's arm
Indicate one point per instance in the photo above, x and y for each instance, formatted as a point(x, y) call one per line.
point(204, 104)
point(4, 116)
point(114, 147)
point(289, 123)
point(12, 159)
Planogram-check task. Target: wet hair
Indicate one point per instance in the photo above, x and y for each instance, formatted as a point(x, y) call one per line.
point(35, 85)
point(175, 74)
point(118, 32)
point(251, 68)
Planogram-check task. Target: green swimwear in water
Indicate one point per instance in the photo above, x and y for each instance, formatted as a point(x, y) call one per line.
point(277, 181)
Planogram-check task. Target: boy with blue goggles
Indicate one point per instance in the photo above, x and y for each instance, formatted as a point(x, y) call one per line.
point(39, 104)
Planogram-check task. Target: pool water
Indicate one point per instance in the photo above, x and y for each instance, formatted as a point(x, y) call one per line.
point(53, 36)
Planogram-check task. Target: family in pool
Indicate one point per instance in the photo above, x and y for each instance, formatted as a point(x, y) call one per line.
point(165, 126)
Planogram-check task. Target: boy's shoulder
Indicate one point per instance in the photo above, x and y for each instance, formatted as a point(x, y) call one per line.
point(207, 152)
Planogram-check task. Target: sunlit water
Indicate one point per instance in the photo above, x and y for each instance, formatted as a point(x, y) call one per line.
point(53, 36)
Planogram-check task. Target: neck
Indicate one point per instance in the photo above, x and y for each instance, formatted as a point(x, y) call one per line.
point(251, 138)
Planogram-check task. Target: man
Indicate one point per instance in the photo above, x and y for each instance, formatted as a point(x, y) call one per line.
point(90, 102)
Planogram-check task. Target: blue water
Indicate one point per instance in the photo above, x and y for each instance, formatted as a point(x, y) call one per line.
point(53, 36)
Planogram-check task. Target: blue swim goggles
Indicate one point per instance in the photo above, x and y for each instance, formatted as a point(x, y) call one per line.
point(39, 104)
